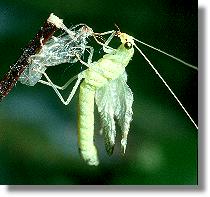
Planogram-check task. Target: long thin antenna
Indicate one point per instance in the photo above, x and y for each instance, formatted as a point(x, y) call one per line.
point(171, 91)
point(177, 59)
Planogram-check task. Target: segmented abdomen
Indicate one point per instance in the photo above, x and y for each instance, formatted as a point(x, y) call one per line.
point(86, 124)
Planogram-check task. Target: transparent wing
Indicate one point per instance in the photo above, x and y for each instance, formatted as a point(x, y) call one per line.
point(104, 100)
point(33, 73)
point(115, 100)
point(123, 108)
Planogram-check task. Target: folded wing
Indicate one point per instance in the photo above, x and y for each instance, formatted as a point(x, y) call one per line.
point(114, 100)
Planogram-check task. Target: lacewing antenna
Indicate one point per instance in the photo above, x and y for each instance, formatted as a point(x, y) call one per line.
point(44, 34)
point(168, 87)
point(169, 55)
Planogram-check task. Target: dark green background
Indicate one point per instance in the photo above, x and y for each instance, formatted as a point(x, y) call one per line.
point(38, 134)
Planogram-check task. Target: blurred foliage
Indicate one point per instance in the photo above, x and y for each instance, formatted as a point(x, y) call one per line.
point(38, 135)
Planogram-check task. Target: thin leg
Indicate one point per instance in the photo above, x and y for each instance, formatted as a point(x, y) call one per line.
point(106, 32)
point(74, 89)
point(106, 48)
point(110, 38)
point(80, 77)
point(107, 42)
point(90, 58)
point(59, 87)
point(88, 65)
point(81, 61)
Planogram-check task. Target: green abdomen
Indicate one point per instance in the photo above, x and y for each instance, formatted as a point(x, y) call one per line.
point(86, 124)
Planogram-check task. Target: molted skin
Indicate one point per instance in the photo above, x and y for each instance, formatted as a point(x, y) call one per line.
point(34, 46)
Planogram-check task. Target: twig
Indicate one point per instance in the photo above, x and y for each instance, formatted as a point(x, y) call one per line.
point(34, 47)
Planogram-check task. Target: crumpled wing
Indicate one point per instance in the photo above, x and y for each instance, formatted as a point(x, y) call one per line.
point(115, 99)
point(33, 72)
point(104, 98)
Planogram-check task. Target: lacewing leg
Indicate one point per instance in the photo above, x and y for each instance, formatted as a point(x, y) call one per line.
point(34, 46)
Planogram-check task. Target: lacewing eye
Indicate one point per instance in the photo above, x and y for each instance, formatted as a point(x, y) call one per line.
point(128, 45)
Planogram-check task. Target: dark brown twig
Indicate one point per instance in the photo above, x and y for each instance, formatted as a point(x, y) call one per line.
point(34, 47)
